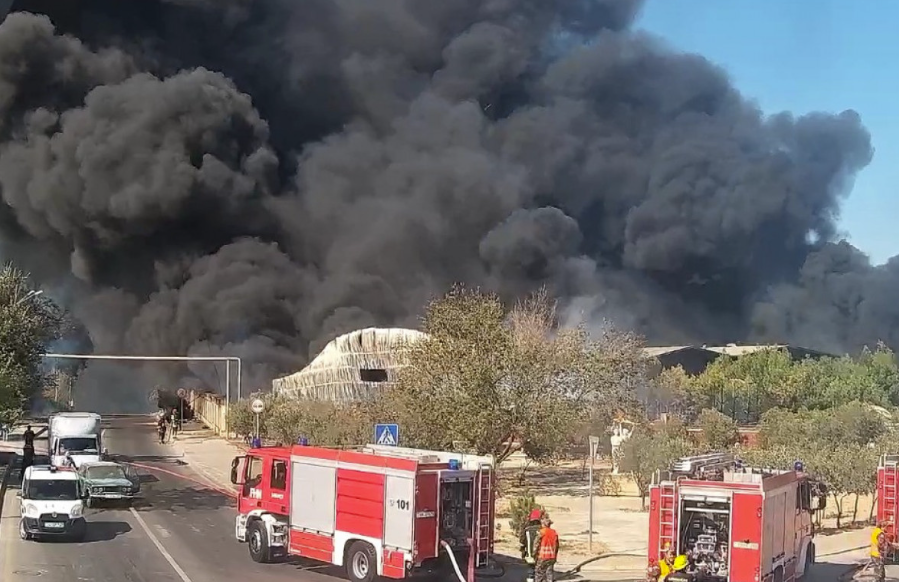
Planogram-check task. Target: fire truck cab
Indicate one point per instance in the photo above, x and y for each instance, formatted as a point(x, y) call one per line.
point(734, 523)
point(377, 511)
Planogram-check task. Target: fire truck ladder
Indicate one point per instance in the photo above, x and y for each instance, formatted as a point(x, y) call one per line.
point(700, 466)
point(483, 541)
point(890, 482)
point(667, 516)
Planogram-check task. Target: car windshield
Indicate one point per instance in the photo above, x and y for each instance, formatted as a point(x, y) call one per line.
point(52, 489)
point(77, 445)
point(105, 472)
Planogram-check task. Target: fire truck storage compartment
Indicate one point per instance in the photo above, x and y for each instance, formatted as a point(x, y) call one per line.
point(312, 490)
point(456, 508)
point(325, 499)
point(705, 532)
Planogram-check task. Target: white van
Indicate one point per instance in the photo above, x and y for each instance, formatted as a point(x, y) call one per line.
point(52, 503)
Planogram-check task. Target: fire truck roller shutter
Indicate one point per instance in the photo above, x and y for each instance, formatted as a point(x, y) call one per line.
point(399, 493)
point(312, 496)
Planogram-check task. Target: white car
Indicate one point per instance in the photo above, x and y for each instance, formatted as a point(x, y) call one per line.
point(52, 503)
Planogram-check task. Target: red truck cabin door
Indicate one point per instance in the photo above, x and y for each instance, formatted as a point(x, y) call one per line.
point(251, 491)
point(275, 495)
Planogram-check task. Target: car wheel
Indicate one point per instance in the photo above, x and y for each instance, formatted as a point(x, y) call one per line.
point(257, 540)
point(23, 533)
point(361, 563)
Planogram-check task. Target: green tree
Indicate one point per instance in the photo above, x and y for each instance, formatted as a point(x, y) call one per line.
point(650, 450)
point(671, 389)
point(28, 323)
point(322, 423)
point(743, 388)
point(719, 431)
point(491, 378)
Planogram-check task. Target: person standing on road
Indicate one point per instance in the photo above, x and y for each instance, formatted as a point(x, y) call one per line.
point(160, 427)
point(547, 550)
point(528, 539)
point(27, 448)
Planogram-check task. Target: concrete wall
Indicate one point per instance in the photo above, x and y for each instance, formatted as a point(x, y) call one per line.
point(210, 409)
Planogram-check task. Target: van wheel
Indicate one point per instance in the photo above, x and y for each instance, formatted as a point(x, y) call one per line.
point(23, 533)
point(361, 563)
point(257, 540)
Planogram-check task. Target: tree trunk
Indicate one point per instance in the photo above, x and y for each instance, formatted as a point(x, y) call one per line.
point(873, 506)
point(855, 509)
point(642, 500)
point(838, 500)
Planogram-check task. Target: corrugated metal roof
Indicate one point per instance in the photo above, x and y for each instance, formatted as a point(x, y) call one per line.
point(656, 351)
point(735, 350)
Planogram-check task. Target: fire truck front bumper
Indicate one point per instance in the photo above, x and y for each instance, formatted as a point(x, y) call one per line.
point(240, 528)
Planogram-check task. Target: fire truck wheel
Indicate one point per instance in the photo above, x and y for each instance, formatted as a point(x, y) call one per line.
point(361, 563)
point(779, 575)
point(257, 540)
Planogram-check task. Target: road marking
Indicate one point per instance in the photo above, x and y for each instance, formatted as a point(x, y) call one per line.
point(210, 484)
point(168, 557)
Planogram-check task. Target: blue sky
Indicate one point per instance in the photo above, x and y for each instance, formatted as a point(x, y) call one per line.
point(807, 55)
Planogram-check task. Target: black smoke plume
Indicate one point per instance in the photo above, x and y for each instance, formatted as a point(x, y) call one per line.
point(253, 177)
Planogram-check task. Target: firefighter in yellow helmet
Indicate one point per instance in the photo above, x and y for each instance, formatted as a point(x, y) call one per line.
point(666, 564)
point(679, 564)
point(880, 547)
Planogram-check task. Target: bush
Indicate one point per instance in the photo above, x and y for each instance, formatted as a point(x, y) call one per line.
point(520, 509)
point(242, 420)
point(719, 431)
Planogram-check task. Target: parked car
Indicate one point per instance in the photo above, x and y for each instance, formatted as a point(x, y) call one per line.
point(108, 481)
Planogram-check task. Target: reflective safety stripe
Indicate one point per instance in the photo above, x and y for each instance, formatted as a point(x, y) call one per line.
point(529, 534)
point(548, 541)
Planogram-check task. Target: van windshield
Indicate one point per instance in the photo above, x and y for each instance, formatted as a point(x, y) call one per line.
point(52, 490)
point(78, 445)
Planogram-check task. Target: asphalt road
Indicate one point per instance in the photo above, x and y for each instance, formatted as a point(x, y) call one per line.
point(181, 531)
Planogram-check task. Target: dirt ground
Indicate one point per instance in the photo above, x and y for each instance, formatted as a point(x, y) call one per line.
point(619, 522)
point(619, 525)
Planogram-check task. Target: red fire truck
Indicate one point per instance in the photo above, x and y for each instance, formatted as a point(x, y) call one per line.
point(377, 511)
point(734, 523)
point(886, 494)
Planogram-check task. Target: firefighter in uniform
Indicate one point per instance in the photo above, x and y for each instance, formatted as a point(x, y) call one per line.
point(528, 540)
point(678, 569)
point(547, 550)
point(666, 564)
point(880, 548)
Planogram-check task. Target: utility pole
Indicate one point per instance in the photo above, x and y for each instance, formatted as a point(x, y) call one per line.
point(594, 448)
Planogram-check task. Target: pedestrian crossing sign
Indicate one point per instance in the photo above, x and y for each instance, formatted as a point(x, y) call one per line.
point(387, 434)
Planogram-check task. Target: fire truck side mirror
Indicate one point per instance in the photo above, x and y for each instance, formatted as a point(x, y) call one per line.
point(234, 466)
point(822, 503)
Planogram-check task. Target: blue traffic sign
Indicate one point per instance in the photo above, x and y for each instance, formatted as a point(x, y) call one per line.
point(387, 434)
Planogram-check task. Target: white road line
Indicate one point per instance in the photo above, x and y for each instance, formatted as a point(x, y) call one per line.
point(168, 557)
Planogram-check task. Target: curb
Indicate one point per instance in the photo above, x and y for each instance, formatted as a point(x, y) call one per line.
point(840, 552)
point(4, 484)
